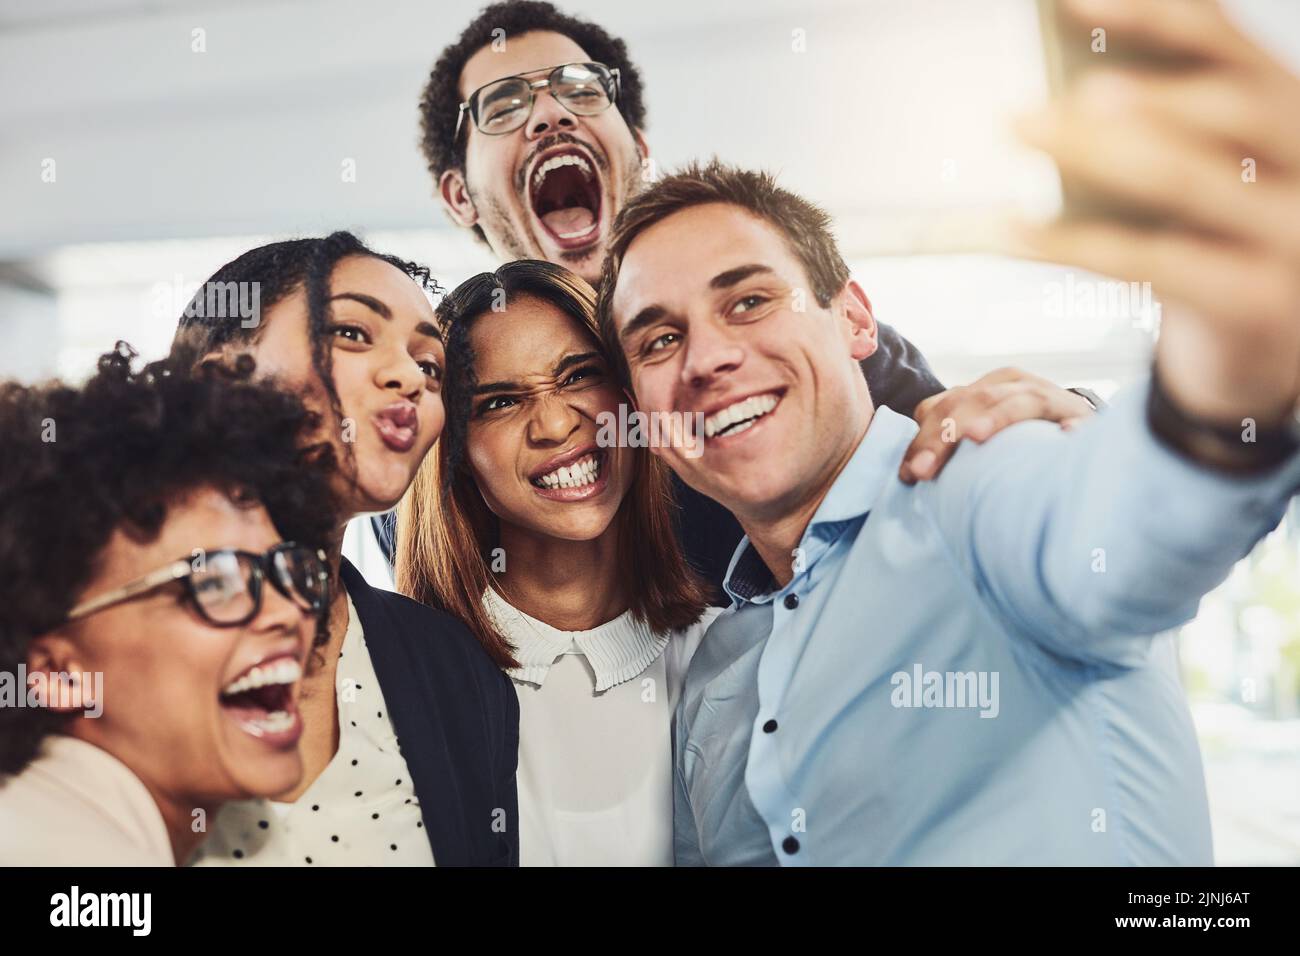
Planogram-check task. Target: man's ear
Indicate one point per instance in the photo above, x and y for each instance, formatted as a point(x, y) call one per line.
point(862, 323)
point(642, 146)
point(454, 193)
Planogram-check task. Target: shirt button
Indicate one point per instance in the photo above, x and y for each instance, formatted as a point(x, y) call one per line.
point(791, 601)
point(790, 845)
point(769, 727)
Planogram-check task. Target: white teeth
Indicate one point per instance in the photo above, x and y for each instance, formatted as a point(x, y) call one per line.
point(747, 411)
point(580, 473)
point(284, 671)
point(555, 162)
point(273, 723)
point(577, 233)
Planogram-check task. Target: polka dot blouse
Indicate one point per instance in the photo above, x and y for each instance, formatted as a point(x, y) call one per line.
point(362, 809)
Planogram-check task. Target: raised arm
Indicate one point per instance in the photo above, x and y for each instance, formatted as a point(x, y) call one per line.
point(1080, 538)
point(1083, 540)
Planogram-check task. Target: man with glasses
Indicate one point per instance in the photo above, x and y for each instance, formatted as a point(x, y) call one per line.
point(163, 579)
point(520, 135)
point(532, 127)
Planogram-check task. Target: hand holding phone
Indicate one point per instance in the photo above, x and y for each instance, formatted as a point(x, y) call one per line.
point(1183, 163)
point(1076, 44)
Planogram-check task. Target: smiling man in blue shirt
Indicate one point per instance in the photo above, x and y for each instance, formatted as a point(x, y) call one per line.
point(966, 671)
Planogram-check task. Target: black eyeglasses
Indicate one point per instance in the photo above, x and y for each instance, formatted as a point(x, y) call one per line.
point(226, 585)
point(504, 105)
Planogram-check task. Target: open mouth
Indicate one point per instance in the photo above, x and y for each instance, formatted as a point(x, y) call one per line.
point(263, 702)
point(564, 192)
point(740, 416)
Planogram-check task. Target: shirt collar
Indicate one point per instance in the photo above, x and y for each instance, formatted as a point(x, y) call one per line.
point(617, 650)
point(854, 493)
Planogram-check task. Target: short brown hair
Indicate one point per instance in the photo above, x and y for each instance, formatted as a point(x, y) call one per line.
point(445, 531)
point(805, 226)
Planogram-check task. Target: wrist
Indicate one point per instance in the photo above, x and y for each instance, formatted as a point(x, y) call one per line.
point(1243, 447)
point(1217, 376)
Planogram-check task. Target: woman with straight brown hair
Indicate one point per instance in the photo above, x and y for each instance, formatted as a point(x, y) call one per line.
point(557, 546)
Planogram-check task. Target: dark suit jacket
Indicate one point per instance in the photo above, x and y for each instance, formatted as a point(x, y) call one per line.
point(456, 716)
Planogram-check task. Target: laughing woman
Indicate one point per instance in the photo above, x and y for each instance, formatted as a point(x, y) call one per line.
point(410, 732)
point(562, 557)
point(144, 573)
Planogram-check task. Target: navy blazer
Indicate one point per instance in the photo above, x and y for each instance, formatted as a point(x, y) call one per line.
point(456, 717)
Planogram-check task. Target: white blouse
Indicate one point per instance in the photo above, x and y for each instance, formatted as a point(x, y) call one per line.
point(78, 805)
point(362, 809)
point(595, 737)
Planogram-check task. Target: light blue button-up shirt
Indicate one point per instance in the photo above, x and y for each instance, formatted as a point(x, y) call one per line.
point(958, 672)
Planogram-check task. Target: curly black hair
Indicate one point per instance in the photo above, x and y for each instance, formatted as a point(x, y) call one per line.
point(82, 462)
point(275, 271)
point(441, 96)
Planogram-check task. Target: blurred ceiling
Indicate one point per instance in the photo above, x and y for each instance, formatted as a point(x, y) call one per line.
point(893, 106)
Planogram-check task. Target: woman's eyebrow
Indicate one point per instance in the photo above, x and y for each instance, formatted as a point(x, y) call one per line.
point(369, 301)
point(572, 359)
point(497, 387)
point(563, 365)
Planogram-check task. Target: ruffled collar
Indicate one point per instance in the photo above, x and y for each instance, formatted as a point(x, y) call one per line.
point(617, 650)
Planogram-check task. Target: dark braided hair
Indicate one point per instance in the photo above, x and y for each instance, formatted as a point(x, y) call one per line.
point(441, 97)
point(276, 271)
point(116, 453)
point(456, 314)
